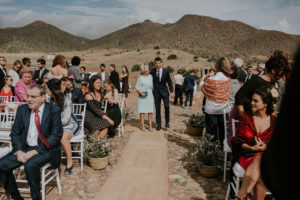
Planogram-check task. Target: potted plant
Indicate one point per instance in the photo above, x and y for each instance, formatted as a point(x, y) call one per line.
point(127, 114)
point(209, 156)
point(195, 124)
point(97, 151)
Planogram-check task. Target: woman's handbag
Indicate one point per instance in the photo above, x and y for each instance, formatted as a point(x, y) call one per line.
point(145, 93)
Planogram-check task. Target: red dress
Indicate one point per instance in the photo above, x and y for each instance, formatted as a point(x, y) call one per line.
point(3, 94)
point(246, 133)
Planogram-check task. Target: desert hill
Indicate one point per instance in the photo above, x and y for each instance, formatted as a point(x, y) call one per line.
point(200, 35)
point(39, 37)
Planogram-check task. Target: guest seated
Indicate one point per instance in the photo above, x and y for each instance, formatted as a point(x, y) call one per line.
point(254, 132)
point(69, 121)
point(75, 94)
point(7, 91)
point(23, 84)
point(35, 138)
point(96, 121)
point(113, 110)
point(14, 72)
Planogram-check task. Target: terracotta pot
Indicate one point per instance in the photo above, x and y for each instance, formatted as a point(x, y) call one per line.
point(208, 171)
point(99, 163)
point(194, 131)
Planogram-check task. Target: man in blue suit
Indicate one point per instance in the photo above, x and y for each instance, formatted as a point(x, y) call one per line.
point(161, 77)
point(35, 137)
point(188, 85)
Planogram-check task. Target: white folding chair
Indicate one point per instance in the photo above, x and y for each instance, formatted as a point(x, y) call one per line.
point(121, 105)
point(47, 175)
point(234, 122)
point(104, 106)
point(6, 122)
point(226, 148)
point(4, 100)
point(78, 111)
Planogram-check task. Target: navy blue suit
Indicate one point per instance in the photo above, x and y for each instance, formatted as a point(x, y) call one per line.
point(161, 92)
point(188, 85)
point(52, 130)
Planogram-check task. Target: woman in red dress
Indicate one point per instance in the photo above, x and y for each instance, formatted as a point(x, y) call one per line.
point(254, 132)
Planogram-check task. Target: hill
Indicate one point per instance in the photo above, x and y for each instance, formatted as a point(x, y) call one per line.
point(39, 37)
point(202, 36)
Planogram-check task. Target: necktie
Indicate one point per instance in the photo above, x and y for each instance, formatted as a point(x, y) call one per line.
point(37, 123)
point(158, 75)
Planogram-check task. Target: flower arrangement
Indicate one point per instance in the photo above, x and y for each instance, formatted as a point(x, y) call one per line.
point(208, 151)
point(196, 120)
point(96, 147)
point(127, 113)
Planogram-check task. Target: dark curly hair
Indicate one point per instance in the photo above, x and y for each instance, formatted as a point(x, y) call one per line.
point(91, 83)
point(278, 62)
point(58, 97)
point(266, 96)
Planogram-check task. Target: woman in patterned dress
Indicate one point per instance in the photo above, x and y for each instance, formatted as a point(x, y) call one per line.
point(96, 121)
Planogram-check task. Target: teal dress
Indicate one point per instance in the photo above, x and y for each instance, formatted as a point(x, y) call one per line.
point(145, 84)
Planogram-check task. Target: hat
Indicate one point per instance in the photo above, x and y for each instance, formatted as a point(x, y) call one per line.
point(262, 65)
point(238, 62)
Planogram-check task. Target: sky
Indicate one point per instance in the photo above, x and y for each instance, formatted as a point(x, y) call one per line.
point(95, 18)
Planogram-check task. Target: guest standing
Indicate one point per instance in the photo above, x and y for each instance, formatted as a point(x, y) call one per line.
point(73, 70)
point(58, 69)
point(254, 132)
point(161, 77)
point(188, 85)
point(144, 87)
point(124, 77)
point(277, 66)
point(96, 121)
point(238, 62)
point(114, 76)
point(178, 79)
point(102, 74)
point(14, 72)
point(41, 72)
point(216, 90)
point(23, 84)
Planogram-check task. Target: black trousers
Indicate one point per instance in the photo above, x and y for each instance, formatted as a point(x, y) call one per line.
point(157, 100)
point(178, 94)
point(189, 97)
point(32, 170)
point(215, 126)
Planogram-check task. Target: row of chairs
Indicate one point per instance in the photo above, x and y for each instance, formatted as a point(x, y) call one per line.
point(47, 174)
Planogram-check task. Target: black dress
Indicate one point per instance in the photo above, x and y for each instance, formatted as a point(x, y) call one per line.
point(125, 86)
point(93, 117)
point(244, 95)
point(114, 113)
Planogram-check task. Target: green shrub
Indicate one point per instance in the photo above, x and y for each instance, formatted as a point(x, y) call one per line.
point(156, 47)
point(172, 57)
point(158, 52)
point(170, 69)
point(135, 68)
point(151, 64)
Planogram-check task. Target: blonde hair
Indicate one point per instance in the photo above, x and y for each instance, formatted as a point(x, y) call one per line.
point(144, 68)
point(26, 70)
point(223, 65)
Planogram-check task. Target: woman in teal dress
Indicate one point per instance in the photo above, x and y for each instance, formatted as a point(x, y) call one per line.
point(144, 87)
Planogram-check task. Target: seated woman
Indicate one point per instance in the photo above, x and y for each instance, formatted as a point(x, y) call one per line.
point(96, 121)
point(254, 132)
point(113, 111)
point(6, 92)
point(23, 84)
point(69, 121)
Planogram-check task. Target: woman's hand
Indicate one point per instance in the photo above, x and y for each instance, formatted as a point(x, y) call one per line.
point(259, 145)
point(111, 122)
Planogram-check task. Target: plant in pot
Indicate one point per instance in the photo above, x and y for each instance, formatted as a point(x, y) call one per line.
point(127, 114)
point(97, 151)
point(195, 124)
point(209, 156)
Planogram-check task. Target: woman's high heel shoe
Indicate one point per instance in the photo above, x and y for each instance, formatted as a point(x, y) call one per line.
point(68, 171)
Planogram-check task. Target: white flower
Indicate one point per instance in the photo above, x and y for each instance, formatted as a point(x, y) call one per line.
point(274, 93)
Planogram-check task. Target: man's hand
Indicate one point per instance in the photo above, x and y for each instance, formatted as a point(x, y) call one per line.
point(30, 154)
point(172, 95)
point(21, 156)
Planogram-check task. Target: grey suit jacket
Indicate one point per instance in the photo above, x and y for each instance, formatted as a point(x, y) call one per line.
point(73, 70)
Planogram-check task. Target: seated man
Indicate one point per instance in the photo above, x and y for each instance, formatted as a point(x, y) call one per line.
point(75, 94)
point(35, 137)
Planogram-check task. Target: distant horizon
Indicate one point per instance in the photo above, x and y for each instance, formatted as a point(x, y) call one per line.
point(93, 19)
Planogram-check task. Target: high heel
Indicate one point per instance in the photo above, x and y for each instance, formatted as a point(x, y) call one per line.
point(68, 171)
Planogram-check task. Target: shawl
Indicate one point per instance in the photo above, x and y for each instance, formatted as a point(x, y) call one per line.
point(217, 91)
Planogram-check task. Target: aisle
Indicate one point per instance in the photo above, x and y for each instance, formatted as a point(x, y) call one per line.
point(142, 172)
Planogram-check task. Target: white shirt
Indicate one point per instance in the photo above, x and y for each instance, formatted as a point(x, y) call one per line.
point(103, 76)
point(15, 76)
point(178, 79)
point(33, 135)
point(211, 107)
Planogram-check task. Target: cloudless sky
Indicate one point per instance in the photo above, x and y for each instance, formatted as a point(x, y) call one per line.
point(95, 18)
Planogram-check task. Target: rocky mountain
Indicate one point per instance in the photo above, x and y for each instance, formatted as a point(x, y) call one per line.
point(203, 36)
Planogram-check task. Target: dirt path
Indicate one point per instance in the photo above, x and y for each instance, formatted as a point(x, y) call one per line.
point(142, 172)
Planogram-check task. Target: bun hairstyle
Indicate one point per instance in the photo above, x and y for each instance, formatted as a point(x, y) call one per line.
point(267, 97)
point(58, 97)
point(278, 62)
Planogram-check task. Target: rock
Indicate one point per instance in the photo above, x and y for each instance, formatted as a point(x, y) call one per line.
point(176, 176)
